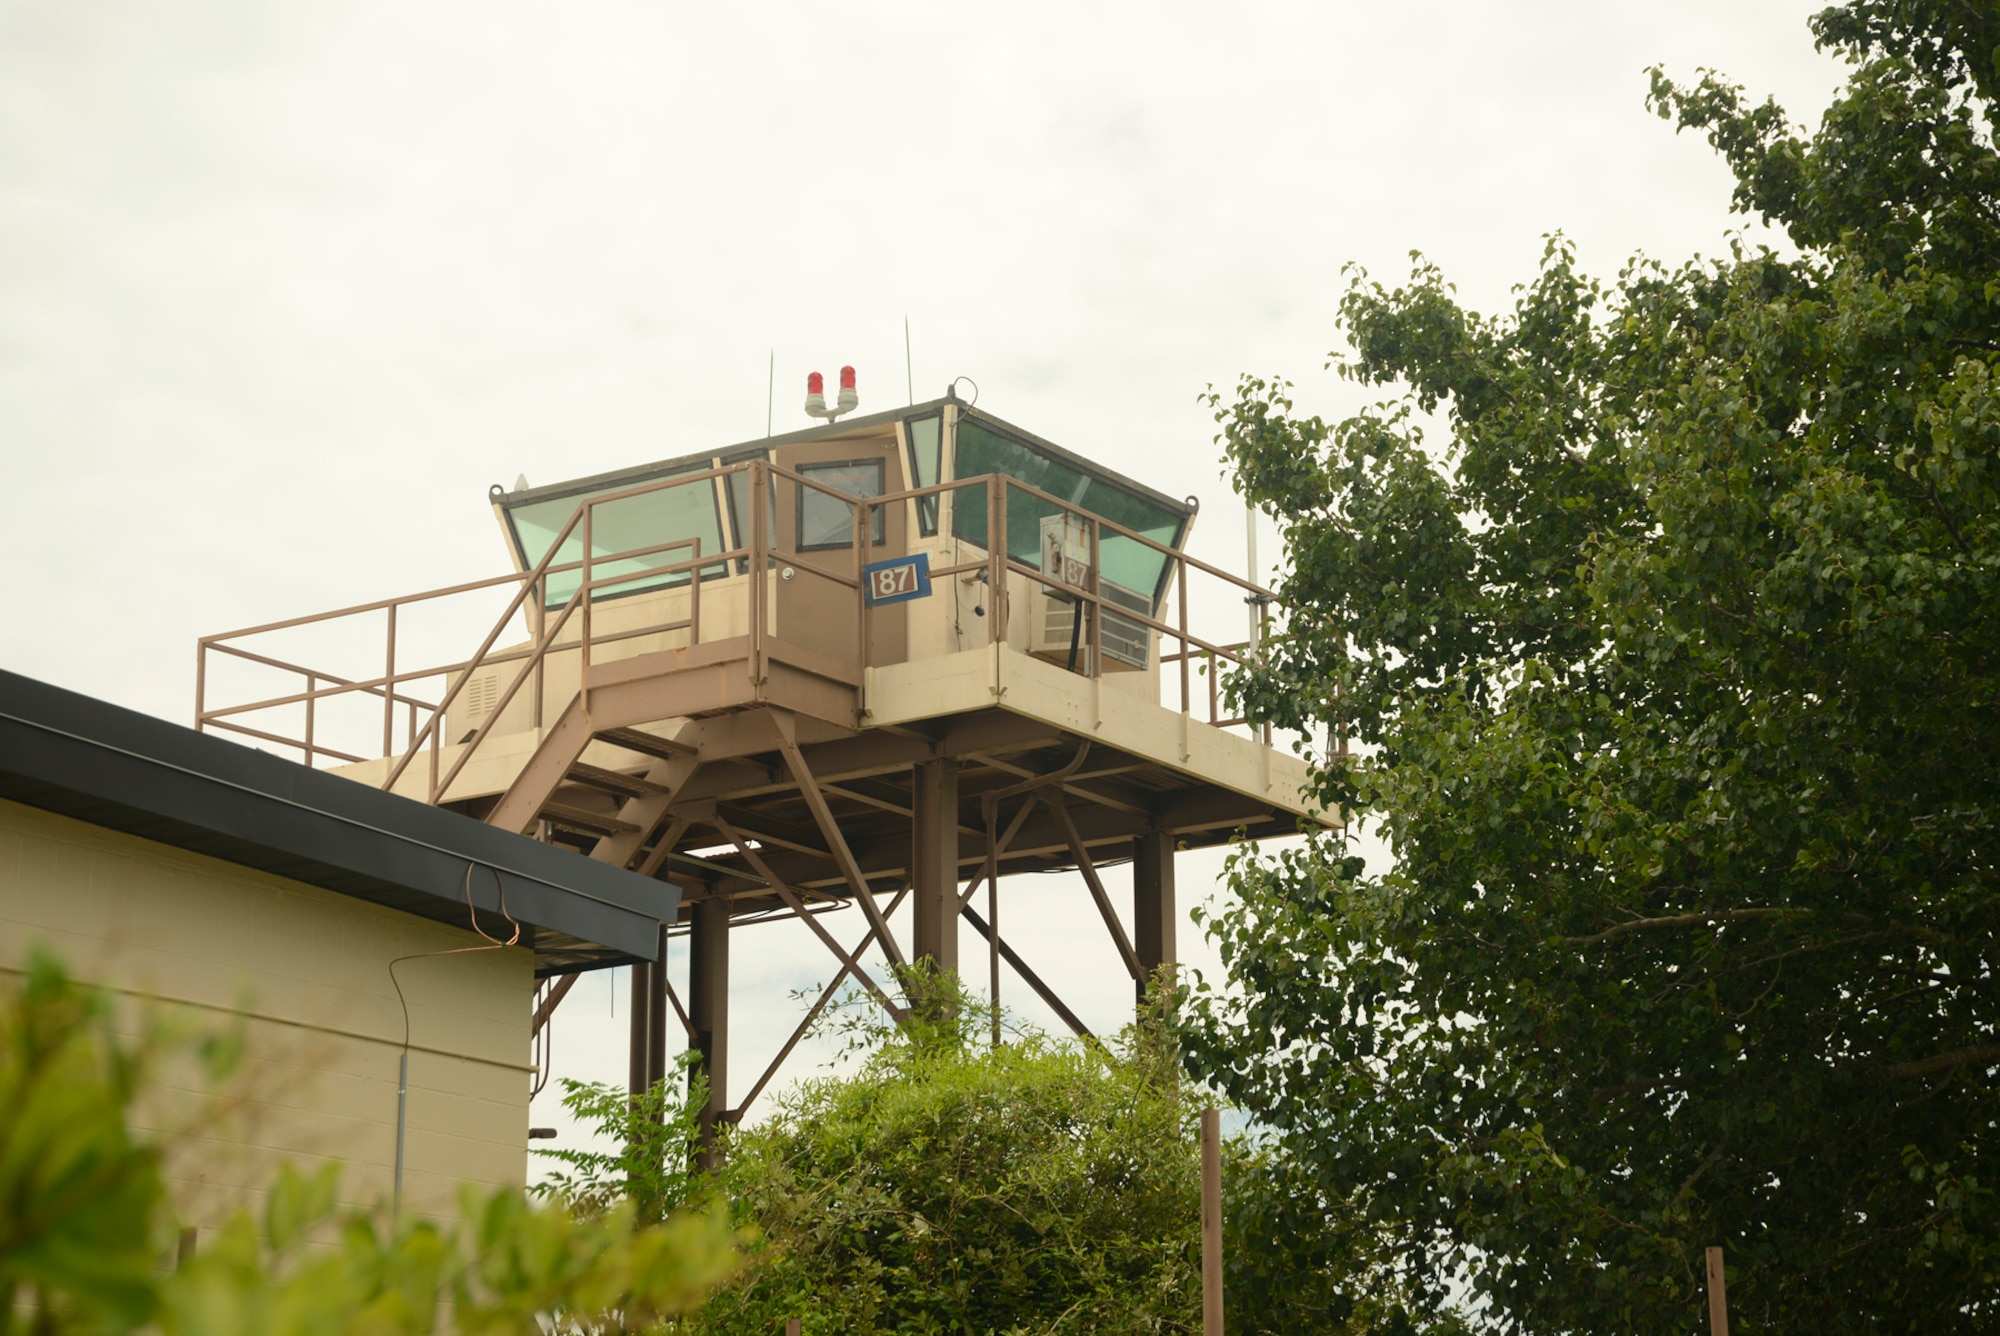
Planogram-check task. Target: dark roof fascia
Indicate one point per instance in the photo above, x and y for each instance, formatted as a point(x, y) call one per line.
point(642, 473)
point(1184, 507)
point(117, 768)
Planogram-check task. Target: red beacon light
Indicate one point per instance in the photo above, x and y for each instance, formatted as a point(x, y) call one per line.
point(816, 395)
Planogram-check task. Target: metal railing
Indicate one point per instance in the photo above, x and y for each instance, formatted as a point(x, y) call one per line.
point(422, 699)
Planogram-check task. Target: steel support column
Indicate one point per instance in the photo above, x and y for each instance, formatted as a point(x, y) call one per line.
point(1154, 917)
point(638, 1058)
point(646, 1060)
point(708, 1010)
point(934, 865)
point(656, 1016)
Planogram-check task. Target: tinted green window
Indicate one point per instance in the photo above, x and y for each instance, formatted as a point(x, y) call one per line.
point(926, 446)
point(827, 521)
point(1133, 565)
point(673, 513)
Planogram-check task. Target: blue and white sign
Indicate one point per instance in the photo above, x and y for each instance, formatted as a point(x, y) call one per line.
point(897, 580)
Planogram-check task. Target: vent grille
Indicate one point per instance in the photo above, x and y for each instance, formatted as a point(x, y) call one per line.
point(1125, 641)
point(481, 691)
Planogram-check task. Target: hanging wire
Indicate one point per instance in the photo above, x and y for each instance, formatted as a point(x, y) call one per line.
point(403, 1071)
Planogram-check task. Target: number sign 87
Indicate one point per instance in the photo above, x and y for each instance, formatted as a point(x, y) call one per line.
point(899, 579)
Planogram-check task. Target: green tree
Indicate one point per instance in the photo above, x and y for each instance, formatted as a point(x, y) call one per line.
point(946, 1186)
point(652, 1161)
point(952, 1187)
point(1674, 676)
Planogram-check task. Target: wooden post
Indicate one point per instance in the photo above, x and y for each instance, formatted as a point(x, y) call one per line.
point(1211, 1223)
point(1718, 1299)
point(792, 1326)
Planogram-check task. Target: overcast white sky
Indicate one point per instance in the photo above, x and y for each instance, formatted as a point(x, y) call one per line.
point(285, 287)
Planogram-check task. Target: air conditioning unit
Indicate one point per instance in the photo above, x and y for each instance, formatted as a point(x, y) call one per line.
point(1128, 644)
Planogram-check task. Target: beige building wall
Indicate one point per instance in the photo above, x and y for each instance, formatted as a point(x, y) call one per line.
point(305, 972)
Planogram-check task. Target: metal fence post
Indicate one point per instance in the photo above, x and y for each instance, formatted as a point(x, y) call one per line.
point(1211, 1223)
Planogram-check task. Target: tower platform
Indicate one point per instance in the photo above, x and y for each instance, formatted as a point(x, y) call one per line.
point(800, 675)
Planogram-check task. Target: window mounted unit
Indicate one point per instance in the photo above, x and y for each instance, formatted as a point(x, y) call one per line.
point(1128, 643)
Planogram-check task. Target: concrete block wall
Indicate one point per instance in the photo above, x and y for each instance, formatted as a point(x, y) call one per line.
point(304, 972)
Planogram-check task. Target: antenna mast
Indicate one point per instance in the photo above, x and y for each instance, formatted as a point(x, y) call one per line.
point(1250, 541)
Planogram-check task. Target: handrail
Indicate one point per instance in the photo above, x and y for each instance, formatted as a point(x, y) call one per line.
point(755, 552)
point(533, 581)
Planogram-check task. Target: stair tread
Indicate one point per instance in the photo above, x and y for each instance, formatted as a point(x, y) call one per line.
point(597, 777)
point(650, 744)
point(585, 819)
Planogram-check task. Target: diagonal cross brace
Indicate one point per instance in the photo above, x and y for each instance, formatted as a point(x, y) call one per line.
point(568, 981)
point(1032, 979)
point(1052, 801)
point(826, 996)
point(668, 839)
point(999, 847)
point(791, 898)
point(843, 857)
point(551, 1002)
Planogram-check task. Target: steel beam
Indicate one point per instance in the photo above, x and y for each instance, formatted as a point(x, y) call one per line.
point(1028, 976)
point(791, 898)
point(656, 1015)
point(1052, 801)
point(639, 1041)
point(842, 855)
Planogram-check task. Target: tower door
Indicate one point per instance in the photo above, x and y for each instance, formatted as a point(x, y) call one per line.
point(813, 610)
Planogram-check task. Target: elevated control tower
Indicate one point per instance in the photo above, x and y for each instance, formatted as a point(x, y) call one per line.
point(901, 656)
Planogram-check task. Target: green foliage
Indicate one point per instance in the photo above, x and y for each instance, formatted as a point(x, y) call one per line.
point(79, 1194)
point(1295, 1261)
point(1037, 1187)
point(85, 1228)
point(946, 1186)
point(654, 1134)
point(509, 1267)
point(1676, 674)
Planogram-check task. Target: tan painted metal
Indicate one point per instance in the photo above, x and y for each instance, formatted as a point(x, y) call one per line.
point(831, 750)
